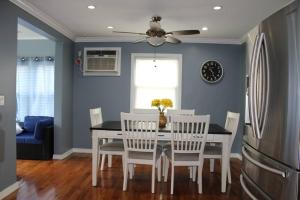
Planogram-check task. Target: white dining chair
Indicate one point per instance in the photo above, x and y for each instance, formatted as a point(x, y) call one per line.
point(140, 142)
point(107, 147)
point(169, 114)
point(213, 150)
point(189, 135)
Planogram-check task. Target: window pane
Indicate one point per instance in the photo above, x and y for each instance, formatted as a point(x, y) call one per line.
point(144, 96)
point(165, 74)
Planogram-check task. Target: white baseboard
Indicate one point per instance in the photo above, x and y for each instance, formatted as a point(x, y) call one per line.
point(85, 150)
point(81, 150)
point(10, 189)
point(236, 155)
point(62, 156)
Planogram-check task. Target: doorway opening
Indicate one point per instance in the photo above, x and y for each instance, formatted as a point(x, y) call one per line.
point(35, 93)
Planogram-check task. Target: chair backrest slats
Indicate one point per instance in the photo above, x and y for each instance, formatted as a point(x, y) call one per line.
point(139, 131)
point(189, 133)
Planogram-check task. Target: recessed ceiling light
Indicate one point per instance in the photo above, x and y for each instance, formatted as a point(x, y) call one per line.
point(91, 7)
point(204, 28)
point(110, 27)
point(218, 7)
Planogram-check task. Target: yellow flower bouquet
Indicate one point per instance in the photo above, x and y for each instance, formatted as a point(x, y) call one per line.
point(162, 104)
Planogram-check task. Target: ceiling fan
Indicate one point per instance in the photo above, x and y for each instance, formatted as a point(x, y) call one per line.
point(157, 36)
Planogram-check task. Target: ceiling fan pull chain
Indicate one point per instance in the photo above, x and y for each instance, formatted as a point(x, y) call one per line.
point(154, 59)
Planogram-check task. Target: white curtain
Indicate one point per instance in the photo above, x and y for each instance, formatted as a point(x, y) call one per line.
point(35, 86)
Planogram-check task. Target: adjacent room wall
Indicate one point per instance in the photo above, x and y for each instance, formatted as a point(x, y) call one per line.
point(9, 14)
point(113, 93)
point(36, 48)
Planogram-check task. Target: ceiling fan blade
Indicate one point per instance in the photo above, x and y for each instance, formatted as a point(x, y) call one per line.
point(140, 40)
point(171, 39)
point(129, 32)
point(184, 32)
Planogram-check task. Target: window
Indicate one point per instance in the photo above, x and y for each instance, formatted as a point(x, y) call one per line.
point(35, 86)
point(152, 78)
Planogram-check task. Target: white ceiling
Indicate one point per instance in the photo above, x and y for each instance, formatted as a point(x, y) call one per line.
point(25, 33)
point(235, 19)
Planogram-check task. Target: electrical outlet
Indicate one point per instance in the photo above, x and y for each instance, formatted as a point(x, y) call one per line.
point(2, 100)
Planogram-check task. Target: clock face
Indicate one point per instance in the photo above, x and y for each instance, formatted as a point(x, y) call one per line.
point(212, 71)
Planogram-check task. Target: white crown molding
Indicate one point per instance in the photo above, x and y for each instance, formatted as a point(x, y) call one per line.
point(10, 189)
point(33, 10)
point(184, 40)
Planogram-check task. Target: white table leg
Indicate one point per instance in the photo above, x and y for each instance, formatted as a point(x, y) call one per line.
point(95, 144)
point(225, 161)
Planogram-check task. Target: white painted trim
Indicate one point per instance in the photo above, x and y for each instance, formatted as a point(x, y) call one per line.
point(81, 150)
point(158, 56)
point(62, 156)
point(184, 40)
point(36, 12)
point(236, 155)
point(10, 189)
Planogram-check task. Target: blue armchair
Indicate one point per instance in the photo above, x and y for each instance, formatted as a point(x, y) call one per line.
point(36, 141)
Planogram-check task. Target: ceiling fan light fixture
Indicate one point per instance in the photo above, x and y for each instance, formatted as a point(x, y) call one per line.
point(156, 41)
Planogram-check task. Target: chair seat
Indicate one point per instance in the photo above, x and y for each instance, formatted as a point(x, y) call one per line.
point(112, 146)
point(181, 156)
point(144, 155)
point(213, 149)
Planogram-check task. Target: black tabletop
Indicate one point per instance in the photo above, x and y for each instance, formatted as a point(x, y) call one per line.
point(116, 126)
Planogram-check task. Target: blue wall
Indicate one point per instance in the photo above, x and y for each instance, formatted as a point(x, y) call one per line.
point(113, 93)
point(9, 14)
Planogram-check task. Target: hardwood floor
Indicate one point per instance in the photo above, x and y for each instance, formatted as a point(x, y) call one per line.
point(71, 179)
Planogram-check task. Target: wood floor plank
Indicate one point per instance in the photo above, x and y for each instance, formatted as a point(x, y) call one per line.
point(71, 179)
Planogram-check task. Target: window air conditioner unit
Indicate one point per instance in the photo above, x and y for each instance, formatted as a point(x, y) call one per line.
point(102, 61)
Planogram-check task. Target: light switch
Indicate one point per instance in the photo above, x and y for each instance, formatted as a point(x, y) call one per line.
point(2, 100)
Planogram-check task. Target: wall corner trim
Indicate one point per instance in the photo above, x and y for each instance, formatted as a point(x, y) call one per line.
point(36, 12)
point(10, 189)
point(63, 156)
point(236, 155)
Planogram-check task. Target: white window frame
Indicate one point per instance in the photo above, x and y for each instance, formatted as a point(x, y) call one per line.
point(158, 56)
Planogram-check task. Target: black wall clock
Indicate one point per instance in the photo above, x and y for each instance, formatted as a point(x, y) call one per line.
point(212, 71)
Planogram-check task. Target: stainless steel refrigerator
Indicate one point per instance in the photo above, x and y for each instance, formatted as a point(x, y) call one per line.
point(271, 151)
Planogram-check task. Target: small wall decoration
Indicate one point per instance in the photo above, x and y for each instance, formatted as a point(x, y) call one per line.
point(212, 71)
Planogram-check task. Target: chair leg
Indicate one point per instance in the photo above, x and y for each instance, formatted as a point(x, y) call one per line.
point(229, 174)
point(123, 164)
point(103, 161)
point(153, 178)
point(166, 167)
point(131, 171)
point(172, 179)
point(125, 175)
point(109, 161)
point(194, 172)
point(200, 168)
point(211, 165)
point(159, 170)
point(190, 172)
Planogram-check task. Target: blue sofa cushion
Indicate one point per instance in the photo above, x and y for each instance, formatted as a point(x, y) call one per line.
point(39, 128)
point(30, 122)
point(28, 138)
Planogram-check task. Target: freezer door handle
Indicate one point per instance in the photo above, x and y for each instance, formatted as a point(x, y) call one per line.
point(270, 169)
point(246, 189)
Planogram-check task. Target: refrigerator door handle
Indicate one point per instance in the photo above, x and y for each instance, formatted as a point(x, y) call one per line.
point(262, 50)
point(246, 189)
point(266, 90)
point(270, 169)
point(251, 87)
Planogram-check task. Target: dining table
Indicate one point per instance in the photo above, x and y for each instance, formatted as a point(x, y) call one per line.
point(112, 130)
